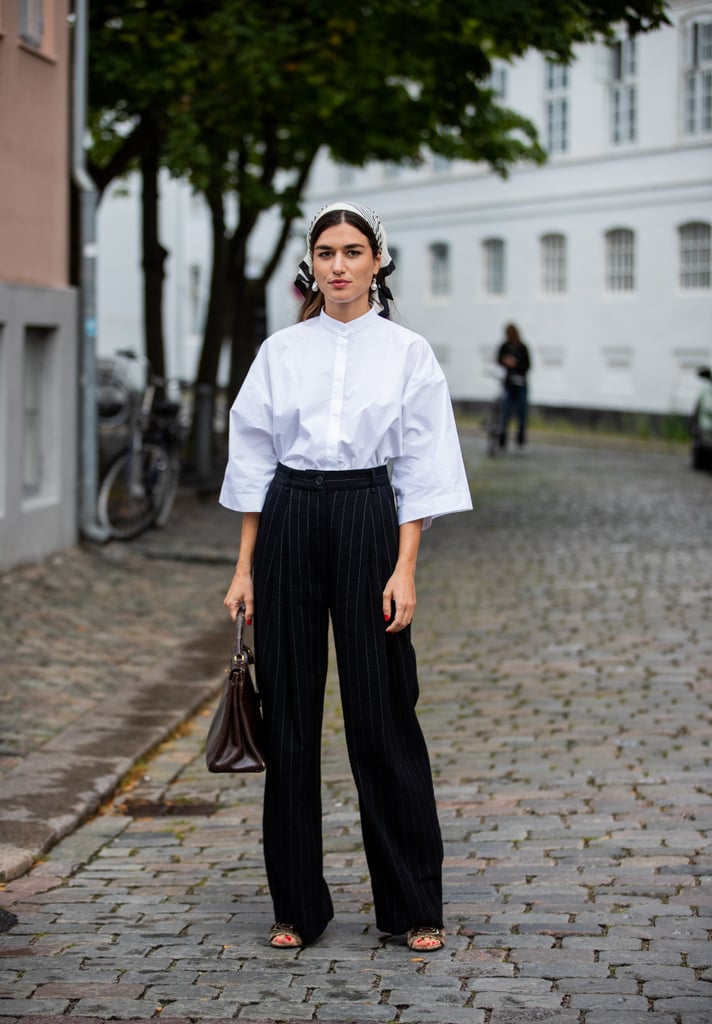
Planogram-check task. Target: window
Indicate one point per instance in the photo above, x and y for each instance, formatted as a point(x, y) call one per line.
point(36, 374)
point(493, 265)
point(346, 174)
point(439, 269)
point(497, 81)
point(620, 260)
point(194, 290)
point(32, 22)
point(695, 263)
point(556, 107)
point(553, 264)
point(697, 83)
point(623, 91)
point(393, 277)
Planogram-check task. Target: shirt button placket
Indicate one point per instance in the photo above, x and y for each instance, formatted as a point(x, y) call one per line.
point(336, 404)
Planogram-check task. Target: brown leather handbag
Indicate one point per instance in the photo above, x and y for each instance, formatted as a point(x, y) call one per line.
point(235, 737)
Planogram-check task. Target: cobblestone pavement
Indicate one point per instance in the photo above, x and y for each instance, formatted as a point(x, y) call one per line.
point(564, 634)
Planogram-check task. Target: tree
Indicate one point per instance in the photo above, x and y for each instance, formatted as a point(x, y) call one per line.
point(140, 59)
point(247, 92)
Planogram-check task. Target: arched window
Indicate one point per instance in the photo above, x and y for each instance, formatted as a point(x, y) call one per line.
point(439, 269)
point(695, 268)
point(493, 266)
point(620, 260)
point(553, 263)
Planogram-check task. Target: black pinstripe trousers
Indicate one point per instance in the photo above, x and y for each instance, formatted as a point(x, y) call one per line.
point(327, 544)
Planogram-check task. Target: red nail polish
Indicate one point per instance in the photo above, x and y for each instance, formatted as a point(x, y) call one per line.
point(248, 622)
point(387, 618)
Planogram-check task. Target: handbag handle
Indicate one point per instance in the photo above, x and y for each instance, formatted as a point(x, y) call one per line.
point(239, 627)
point(241, 653)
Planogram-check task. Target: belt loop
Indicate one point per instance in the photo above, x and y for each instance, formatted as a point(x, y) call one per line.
point(374, 479)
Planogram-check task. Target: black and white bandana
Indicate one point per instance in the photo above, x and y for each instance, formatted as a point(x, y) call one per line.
point(305, 273)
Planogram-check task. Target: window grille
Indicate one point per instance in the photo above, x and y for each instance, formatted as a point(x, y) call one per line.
point(620, 260)
point(695, 256)
point(623, 91)
point(493, 263)
point(697, 79)
point(556, 107)
point(439, 269)
point(553, 264)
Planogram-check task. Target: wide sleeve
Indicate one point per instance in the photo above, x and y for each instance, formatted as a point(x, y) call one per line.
point(429, 478)
point(251, 454)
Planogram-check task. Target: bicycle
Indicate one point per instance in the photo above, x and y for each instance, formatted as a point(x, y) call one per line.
point(140, 483)
point(493, 416)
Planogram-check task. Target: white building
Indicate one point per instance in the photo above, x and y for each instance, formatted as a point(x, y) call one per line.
point(601, 256)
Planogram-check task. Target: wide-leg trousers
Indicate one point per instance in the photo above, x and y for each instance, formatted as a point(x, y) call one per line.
point(327, 544)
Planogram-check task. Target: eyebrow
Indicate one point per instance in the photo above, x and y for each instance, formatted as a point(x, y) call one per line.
point(349, 245)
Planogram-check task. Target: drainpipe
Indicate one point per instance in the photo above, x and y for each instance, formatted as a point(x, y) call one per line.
point(88, 468)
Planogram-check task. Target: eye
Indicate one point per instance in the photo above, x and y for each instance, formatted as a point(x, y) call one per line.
point(324, 254)
point(353, 252)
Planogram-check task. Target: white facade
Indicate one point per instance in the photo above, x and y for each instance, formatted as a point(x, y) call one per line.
point(476, 252)
point(601, 256)
point(185, 234)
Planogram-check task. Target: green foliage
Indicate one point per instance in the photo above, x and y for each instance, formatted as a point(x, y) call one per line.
point(238, 96)
point(240, 87)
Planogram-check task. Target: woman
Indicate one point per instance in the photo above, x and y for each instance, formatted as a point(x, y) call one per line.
point(328, 403)
point(513, 355)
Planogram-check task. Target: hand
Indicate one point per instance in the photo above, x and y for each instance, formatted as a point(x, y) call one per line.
point(399, 591)
point(240, 592)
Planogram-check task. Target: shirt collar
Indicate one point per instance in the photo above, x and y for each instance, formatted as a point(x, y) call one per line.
point(350, 326)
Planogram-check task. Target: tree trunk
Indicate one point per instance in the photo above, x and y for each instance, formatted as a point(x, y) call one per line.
point(154, 256)
point(202, 449)
point(248, 327)
point(215, 331)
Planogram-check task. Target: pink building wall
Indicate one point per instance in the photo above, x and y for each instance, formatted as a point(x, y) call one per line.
point(34, 153)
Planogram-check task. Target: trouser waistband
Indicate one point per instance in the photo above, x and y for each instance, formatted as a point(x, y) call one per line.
point(332, 479)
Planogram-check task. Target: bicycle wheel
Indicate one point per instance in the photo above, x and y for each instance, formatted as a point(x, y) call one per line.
point(124, 510)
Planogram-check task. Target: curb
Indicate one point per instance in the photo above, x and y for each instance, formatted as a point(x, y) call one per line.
point(60, 785)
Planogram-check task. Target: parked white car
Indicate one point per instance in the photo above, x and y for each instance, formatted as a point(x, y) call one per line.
point(701, 427)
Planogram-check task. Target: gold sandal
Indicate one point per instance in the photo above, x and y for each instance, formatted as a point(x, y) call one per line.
point(288, 932)
point(426, 939)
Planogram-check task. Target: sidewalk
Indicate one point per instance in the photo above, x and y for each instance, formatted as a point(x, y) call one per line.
point(565, 656)
point(105, 650)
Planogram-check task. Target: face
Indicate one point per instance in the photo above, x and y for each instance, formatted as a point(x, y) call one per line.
point(344, 267)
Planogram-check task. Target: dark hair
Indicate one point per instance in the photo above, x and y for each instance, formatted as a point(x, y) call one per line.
point(314, 301)
point(512, 333)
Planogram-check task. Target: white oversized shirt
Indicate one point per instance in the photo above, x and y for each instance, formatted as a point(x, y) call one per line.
point(328, 395)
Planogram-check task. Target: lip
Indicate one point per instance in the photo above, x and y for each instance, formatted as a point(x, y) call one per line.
point(339, 284)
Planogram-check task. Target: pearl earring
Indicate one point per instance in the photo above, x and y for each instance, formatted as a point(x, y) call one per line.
point(315, 286)
point(374, 285)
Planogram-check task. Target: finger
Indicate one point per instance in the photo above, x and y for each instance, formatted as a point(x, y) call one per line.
point(402, 618)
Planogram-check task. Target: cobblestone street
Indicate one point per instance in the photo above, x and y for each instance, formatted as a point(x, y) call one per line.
point(564, 637)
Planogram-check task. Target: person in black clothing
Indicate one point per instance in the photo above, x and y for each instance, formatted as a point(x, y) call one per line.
point(513, 355)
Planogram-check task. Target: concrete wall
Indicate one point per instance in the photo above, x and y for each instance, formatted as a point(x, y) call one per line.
point(38, 330)
point(36, 523)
